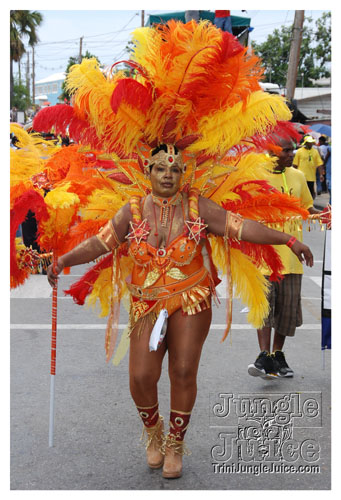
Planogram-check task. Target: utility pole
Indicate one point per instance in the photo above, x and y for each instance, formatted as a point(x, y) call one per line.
point(28, 72)
point(80, 49)
point(294, 57)
point(142, 18)
point(19, 70)
point(33, 77)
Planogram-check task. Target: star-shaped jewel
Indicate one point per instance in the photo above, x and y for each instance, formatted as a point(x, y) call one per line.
point(41, 181)
point(195, 229)
point(138, 231)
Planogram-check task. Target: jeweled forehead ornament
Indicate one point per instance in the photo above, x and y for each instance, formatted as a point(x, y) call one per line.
point(169, 157)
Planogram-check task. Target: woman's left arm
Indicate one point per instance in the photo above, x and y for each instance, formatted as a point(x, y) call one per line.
point(217, 220)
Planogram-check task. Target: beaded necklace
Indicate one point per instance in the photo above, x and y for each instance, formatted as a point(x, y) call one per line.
point(165, 205)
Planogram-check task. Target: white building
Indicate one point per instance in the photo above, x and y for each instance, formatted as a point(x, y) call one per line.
point(49, 89)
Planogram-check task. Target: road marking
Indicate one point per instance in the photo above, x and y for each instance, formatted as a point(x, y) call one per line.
point(317, 280)
point(87, 326)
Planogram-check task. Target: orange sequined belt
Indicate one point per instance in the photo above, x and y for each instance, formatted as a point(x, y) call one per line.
point(170, 289)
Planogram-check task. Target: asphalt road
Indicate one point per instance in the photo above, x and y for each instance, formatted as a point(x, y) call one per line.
point(245, 433)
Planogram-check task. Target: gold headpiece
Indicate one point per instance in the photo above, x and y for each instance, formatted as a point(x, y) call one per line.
point(169, 157)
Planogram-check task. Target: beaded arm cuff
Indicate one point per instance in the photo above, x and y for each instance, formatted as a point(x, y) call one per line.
point(108, 237)
point(233, 226)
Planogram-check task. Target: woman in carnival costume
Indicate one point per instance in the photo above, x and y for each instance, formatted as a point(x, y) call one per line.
point(166, 177)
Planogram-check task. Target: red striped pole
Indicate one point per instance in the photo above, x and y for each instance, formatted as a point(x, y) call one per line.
point(53, 352)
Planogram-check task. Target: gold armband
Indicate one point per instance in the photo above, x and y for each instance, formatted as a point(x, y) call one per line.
point(233, 226)
point(108, 237)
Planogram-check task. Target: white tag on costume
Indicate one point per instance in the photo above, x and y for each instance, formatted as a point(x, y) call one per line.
point(159, 331)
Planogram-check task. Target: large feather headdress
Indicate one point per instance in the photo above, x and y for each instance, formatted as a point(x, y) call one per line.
point(191, 85)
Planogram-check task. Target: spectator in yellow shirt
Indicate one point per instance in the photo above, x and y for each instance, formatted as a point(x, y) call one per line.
point(284, 296)
point(307, 160)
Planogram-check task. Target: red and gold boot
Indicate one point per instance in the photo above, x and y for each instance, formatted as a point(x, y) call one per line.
point(174, 446)
point(153, 429)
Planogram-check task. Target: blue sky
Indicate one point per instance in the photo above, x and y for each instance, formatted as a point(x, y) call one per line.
point(106, 32)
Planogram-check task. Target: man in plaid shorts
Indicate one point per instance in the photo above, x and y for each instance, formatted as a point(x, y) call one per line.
point(284, 296)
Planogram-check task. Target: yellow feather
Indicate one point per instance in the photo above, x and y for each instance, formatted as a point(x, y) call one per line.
point(102, 291)
point(251, 166)
point(62, 207)
point(250, 286)
point(32, 156)
point(122, 347)
point(103, 203)
point(227, 127)
point(249, 283)
point(92, 93)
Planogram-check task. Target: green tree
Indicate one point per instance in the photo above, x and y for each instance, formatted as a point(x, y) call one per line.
point(23, 24)
point(323, 44)
point(65, 96)
point(21, 96)
point(315, 52)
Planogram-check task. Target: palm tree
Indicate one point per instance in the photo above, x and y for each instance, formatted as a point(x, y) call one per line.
point(23, 23)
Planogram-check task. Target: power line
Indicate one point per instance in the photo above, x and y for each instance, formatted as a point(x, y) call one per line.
point(70, 40)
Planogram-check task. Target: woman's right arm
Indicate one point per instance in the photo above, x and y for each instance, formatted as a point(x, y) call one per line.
point(111, 236)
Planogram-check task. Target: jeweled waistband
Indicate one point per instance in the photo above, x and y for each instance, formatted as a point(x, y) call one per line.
point(170, 289)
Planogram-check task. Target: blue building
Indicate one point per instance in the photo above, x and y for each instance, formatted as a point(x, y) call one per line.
point(49, 89)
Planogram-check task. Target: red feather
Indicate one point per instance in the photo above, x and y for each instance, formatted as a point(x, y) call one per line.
point(201, 158)
point(119, 177)
point(169, 125)
point(106, 164)
point(57, 117)
point(133, 93)
point(83, 287)
point(65, 120)
point(268, 204)
point(262, 255)
point(82, 231)
point(284, 130)
point(31, 200)
point(186, 141)
point(133, 65)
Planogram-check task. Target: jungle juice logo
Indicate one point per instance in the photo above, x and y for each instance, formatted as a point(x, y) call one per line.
point(272, 432)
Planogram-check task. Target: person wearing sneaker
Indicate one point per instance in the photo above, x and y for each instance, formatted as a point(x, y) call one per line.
point(264, 366)
point(284, 297)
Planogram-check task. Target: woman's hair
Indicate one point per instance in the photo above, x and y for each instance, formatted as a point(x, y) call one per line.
point(162, 147)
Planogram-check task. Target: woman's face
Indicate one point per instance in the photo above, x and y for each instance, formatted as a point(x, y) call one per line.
point(165, 179)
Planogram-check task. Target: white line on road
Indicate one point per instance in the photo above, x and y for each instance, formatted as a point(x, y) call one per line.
point(88, 326)
point(317, 280)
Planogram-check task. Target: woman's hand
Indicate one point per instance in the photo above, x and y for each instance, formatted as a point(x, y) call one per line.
point(53, 276)
point(303, 253)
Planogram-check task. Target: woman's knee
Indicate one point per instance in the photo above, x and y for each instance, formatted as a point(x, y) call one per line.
point(144, 379)
point(183, 374)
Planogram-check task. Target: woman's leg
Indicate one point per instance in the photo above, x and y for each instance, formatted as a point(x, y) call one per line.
point(185, 338)
point(144, 373)
point(144, 366)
